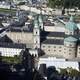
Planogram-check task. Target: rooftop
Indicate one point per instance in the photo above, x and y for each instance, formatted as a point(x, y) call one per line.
point(5, 39)
point(12, 45)
point(27, 28)
point(52, 56)
point(56, 34)
point(53, 41)
point(70, 39)
point(6, 42)
point(71, 25)
point(48, 23)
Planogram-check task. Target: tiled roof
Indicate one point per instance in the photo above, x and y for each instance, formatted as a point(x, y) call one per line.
point(53, 41)
point(56, 34)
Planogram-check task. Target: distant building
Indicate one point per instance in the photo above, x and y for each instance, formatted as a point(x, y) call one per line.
point(58, 63)
point(63, 44)
point(10, 49)
point(21, 34)
point(5, 5)
point(52, 37)
point(18, 1)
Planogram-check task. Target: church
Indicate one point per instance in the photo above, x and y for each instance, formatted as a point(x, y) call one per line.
point(54, 38)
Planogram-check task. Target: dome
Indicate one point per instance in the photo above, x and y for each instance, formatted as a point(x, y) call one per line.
point(70, 39)
point(71, 25)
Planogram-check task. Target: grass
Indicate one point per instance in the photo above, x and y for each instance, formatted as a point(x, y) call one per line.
point(7, 10)
point(14, 60)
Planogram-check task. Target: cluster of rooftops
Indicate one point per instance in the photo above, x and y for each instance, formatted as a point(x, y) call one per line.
point(43, 34)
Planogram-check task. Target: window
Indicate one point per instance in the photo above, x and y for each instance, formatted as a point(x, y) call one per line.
point(67, 32)
point(70, 32)
point(43, 46)
point(54, 46)
point(36, 41)
point(69, 53)
point(70, 45)
point(59, 50)
point(48, 50)
point(64, 49)
point(54, 50)
point(60, 47)
point(70, 50)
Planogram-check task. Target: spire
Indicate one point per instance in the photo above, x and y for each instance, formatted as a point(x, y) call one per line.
point(36, 23)
point(71, 25)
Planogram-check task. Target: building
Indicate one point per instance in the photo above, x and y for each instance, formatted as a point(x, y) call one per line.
point(10, 49)
point(62, 40)
point(63, 44)
point(58, 63)
point(21, 33)
point(59, 41)
point(5, 5)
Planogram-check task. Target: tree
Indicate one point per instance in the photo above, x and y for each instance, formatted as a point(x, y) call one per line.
point(63, 72)
point(55, 3)
point(37, 76)
point(64, 3)
point(73, 72)
point(52, 73)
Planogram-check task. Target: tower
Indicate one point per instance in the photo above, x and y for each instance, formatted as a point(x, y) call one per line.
point(70, 27)
point(36, 34)
point(70, 41)
point(70, 47)
point(40, 22)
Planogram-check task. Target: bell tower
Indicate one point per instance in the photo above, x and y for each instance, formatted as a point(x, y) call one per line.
point(40, 22)
point(36, 34)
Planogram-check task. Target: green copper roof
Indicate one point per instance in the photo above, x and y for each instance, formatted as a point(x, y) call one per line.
point(71, 25)
point(70, 39)
point(40, 19)
point(71, 19)
point(36, 23)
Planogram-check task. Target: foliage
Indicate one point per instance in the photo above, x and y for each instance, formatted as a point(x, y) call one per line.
point(70, 72)
point(7, 10)
point(52, 73)
point(64, 3)
point(55, 3)
point(63, 71)
point(73, 72)
point(14, 59)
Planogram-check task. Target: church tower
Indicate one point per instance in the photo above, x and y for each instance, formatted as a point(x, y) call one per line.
point(71, 27)
point(36, 34)
point(40, 22)
point(70, 41)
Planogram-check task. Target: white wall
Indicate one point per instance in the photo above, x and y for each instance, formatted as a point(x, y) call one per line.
point(55, 50)
point(54, 28)
point(10, 51)
point(58, 63)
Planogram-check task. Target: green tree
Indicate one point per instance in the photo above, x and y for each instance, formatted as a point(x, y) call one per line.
point(63, 71)
point(73, 72)
point(55, 3)
point(64, 3)
point(71, 3)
